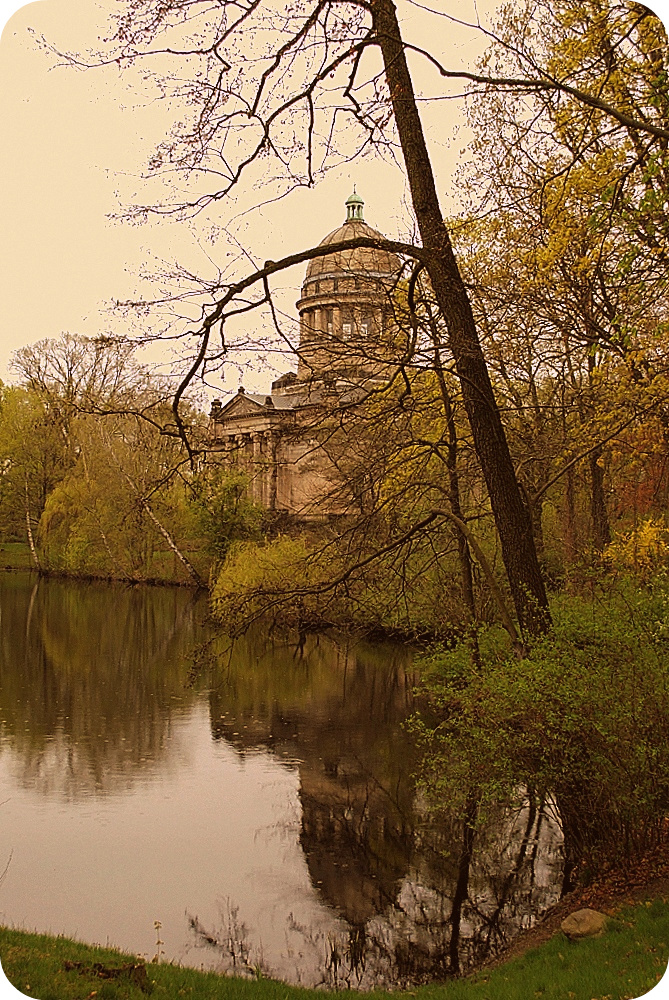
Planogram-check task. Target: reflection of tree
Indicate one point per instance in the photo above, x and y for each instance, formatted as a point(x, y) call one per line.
point(421, 896)
point(89, 674)
point(515, 873)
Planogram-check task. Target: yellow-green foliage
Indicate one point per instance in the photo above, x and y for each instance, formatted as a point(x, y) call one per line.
point(303, 582)
point(643, 551)
point(221, 509)
point(281, 574)
point(86, 530)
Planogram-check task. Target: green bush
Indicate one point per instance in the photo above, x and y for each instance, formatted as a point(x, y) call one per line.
point(280, 578)
point(221, 509)
point(295, 575)
point(582, 721)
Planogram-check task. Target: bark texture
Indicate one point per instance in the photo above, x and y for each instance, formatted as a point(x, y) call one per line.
point(512, 518)
point(601, 532)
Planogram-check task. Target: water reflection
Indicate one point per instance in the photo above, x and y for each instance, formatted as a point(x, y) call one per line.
point(90, 675)
point(419, 899)
point(262, 789)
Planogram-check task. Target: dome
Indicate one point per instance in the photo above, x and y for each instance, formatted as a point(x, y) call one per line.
point(346, 305)
point(358, 260)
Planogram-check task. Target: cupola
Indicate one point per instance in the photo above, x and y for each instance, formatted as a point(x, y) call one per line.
point(354, 207)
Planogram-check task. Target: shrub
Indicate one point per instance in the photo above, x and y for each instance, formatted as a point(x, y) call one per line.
point(292, 577)
point(643, 551)
point(583, 720)
point(279, 579)
point(221, 509)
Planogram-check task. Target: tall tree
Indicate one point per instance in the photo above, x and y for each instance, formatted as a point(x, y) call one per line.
point(258, 82)
point(276, 105)
point(512, 516)
point(568, 256)
point(35, 455)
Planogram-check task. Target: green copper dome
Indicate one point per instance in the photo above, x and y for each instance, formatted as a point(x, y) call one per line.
point(354, 205)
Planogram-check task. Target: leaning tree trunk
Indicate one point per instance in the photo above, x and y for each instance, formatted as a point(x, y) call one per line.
point(170, 541)
point(29, 531)
point(511, 515)
point(146, 507)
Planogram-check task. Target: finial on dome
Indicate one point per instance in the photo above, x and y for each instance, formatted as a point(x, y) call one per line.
point(354, 204)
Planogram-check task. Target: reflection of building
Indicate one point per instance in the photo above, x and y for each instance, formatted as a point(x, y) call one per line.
point(346, 335)
point(338, 711)
point(417, 898)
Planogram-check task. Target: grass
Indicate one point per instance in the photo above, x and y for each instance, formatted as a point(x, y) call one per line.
point(626, 962)
point(15, 555)
point(164, 567)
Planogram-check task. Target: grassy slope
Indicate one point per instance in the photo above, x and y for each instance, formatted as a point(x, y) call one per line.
point(164, 566)
point(15, 555)
point(626, 962)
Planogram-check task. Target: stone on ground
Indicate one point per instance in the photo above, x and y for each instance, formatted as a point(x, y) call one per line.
point(583, 923)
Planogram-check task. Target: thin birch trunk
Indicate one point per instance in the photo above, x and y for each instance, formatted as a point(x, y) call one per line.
point(172, 544)
point(29, 528)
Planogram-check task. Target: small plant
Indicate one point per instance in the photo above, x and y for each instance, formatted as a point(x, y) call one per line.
point(159, 943)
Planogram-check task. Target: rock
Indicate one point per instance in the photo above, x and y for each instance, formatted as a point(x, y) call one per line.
point(584, 923)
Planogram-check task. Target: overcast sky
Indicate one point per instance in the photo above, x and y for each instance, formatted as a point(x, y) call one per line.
point(73, 146)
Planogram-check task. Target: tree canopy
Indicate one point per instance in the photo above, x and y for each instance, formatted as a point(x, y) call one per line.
point(551, 287)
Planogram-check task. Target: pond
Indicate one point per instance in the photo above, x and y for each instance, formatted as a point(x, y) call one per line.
point(239, 807)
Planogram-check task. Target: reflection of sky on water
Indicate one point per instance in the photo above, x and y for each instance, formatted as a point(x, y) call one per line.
point(213, 829)
point(263, 793)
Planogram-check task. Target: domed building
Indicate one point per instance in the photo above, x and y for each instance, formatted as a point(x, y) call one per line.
point(345, 345)
point(344, 307)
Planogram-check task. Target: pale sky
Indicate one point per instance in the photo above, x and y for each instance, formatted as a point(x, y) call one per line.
point(74, 144)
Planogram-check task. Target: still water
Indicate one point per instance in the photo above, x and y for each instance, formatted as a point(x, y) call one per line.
point(236, 807)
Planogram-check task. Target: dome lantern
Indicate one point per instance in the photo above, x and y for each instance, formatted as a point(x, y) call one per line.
point(354, 206)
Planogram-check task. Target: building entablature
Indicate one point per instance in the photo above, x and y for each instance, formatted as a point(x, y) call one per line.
point(359, 296)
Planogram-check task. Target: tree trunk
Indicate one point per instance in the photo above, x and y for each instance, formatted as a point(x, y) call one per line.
point(464, 555)
point(570, 519)
point(536, 506)
point(511, 515)
point(172, 544)
point(601, 532)
point(29, 529)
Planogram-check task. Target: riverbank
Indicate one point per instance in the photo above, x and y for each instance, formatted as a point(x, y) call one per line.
point(15, 556)
point(626, 962)
point(166, 570)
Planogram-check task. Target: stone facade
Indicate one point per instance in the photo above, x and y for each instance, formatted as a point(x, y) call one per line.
point(346, 341)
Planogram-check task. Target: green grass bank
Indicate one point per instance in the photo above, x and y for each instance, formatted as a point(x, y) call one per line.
point(15, 556)
point(626, 962)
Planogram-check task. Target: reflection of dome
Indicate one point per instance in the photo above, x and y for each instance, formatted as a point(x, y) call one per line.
point(365, 260)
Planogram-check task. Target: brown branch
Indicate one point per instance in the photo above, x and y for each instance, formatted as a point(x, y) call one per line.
point(547, 83)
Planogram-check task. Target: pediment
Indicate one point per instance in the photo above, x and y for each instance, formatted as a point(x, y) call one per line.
point(240, 406)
